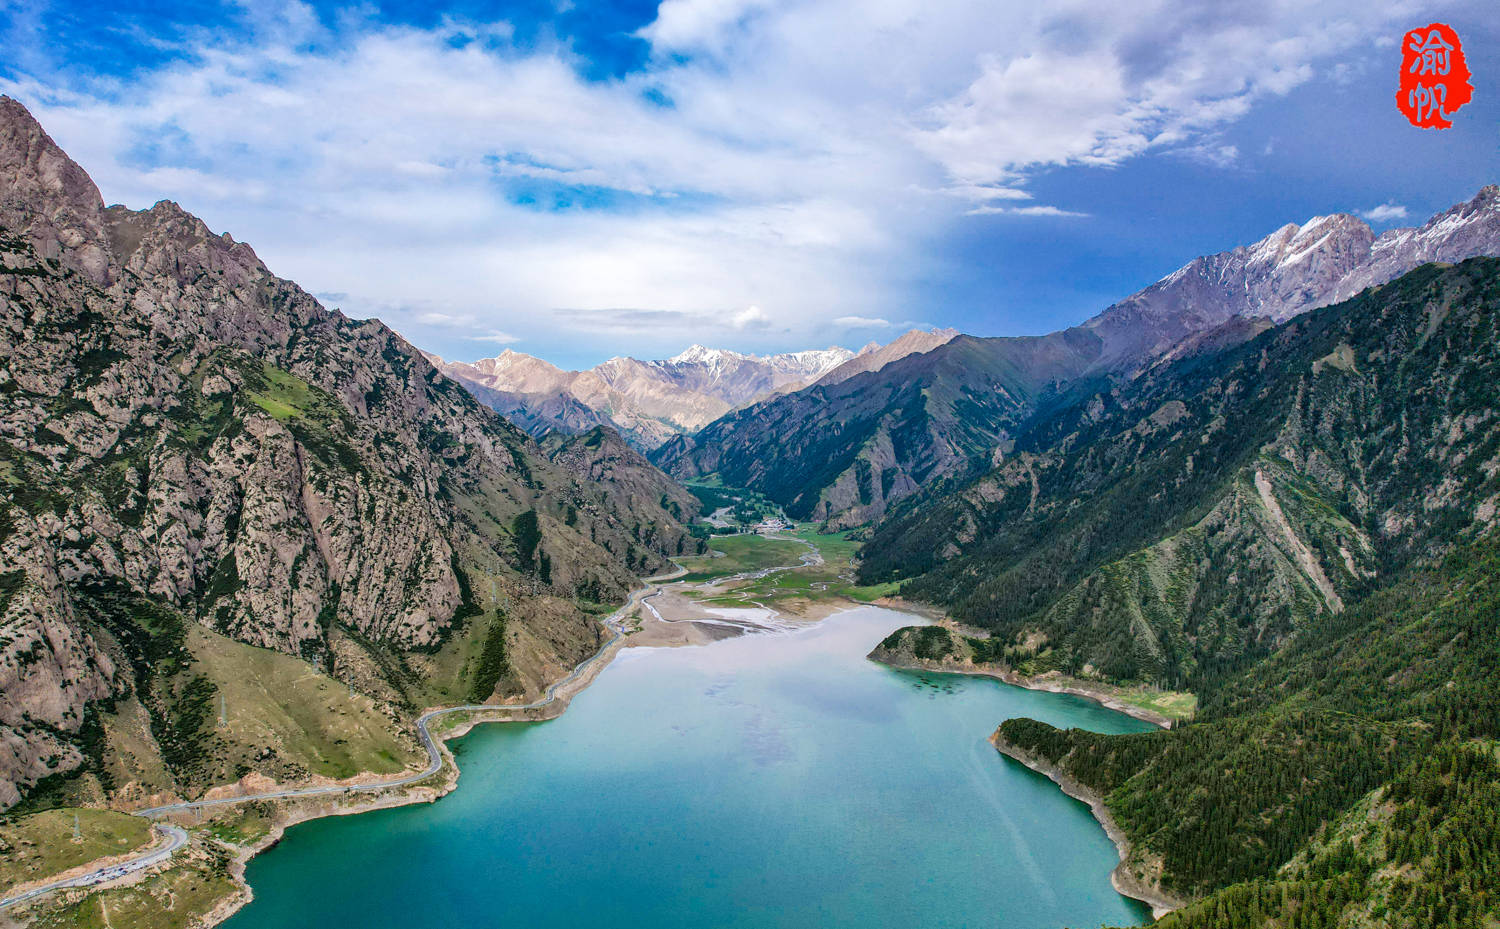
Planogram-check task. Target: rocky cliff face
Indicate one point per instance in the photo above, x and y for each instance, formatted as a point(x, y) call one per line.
point(660, 508)
point(180, 425)
point(881, 443)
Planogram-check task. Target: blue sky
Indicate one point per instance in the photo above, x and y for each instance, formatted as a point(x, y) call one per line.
point(578, 180)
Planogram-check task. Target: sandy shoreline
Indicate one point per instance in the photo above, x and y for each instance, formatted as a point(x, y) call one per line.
point(671, 618)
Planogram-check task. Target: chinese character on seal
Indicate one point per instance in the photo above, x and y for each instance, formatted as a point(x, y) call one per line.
point(1434, 76)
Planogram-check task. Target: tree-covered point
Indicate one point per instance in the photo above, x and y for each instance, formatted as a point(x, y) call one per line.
point(1230, 800)
point(1423, 852)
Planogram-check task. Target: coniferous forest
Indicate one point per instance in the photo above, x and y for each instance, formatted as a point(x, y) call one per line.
point(1298, 529)
point(1351, 779)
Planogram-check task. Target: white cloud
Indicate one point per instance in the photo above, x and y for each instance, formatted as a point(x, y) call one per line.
point(810, 154)
point(984, 192)
point(421, 168)
point(862, 322)
point(697, 24)
point(494, 335)
point(1039, 210)
point(444, 319)
point(751, 317)
point(1098, 83)
point(1384, 213)
point(1213, 152)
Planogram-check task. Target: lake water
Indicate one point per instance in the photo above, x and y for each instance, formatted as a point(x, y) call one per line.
point(774, 780)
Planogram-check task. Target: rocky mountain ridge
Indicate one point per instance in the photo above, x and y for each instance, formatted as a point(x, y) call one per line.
point(1297, 268)
point(879, 437)
point(875, 356)
point(844, 452)
point(649, 402)
point(195, 454)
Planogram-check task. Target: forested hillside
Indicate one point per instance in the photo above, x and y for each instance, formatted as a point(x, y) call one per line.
point(1183, 525)
point(1349, 780)
point(846, 453)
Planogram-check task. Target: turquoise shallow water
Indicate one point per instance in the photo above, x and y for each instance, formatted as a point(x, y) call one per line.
point(774, 780)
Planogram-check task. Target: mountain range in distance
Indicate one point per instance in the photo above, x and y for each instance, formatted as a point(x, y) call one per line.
point(840, 437)
point(843, 452)
point(649, 402)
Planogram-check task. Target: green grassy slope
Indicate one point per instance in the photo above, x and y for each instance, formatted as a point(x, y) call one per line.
point(41, 845)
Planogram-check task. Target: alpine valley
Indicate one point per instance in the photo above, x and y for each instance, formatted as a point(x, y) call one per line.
point(246, 543)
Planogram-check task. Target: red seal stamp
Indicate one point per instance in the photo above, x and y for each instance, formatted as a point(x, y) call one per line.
point(1434, 77)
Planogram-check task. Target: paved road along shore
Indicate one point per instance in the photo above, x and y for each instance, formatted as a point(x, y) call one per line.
point(176, 837)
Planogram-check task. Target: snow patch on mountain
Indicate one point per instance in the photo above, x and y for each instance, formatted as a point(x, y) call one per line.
point(648, 401)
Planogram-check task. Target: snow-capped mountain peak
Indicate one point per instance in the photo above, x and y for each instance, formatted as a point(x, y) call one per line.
point(649, 401)
point(1294, 269)
point(700, 354)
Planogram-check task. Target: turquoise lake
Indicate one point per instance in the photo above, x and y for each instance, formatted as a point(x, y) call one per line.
point(772, 780)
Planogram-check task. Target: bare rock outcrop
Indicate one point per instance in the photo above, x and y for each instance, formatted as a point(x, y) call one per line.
point(179, 424)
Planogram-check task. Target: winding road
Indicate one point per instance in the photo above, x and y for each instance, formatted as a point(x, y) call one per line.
point(178, 837)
